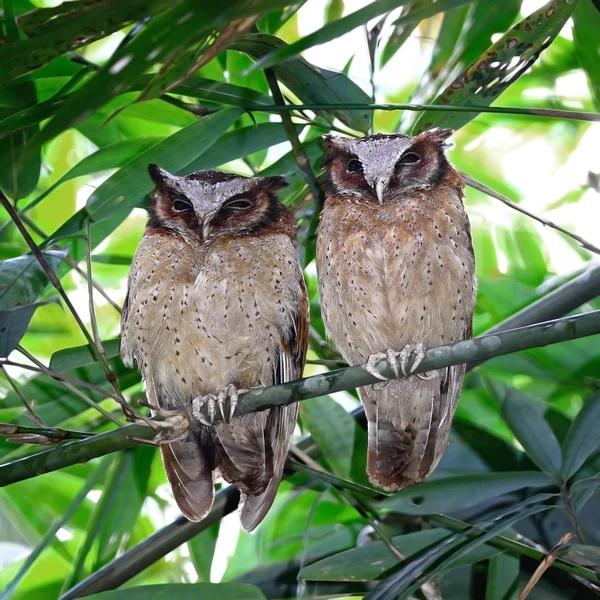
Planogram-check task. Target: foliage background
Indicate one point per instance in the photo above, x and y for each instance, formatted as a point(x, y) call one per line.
point(74, 145)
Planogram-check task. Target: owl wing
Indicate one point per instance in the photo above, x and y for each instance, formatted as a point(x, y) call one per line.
point(289, 364)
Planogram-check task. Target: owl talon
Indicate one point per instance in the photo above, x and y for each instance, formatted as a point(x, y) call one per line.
point(419, 350)
point(372, 361)
point(198, 403)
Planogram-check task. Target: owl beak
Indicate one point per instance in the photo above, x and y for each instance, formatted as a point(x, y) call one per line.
point(380, 189)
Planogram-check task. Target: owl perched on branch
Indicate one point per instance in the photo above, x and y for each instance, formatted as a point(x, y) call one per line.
point(396, 275)
point(216, 302)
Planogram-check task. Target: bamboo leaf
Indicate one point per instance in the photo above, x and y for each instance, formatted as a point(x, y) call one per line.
point(157, 40)
point(60, 29)
point(81, 356)
point(310, 83)
point(503, 577)
point(461, 491)
point(586, 20)
point(502, 64)
point(371, 561)
point(528, 425)
point(587, 556)
point(18, 178)
point(202, 550)
point(22, 279)
point(128, 185)
point(582, 440)
point(184, 591)
point(14, 323)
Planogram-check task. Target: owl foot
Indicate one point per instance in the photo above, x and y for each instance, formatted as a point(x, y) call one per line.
point(172, 425)
point(232, 393)
point(391, 357)
point(420, 351)
point(210, 400)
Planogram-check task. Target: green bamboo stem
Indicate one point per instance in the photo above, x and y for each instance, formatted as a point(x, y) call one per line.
point(478, 349)
point(561, 301)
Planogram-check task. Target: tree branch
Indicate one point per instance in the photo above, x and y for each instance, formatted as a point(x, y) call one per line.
point(478, 349)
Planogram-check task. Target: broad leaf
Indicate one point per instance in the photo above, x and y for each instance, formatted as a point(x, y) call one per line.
point(530, 428)
point(502, 64)
point(14, 323)
point(310, 83)
point(22, 279)
point(461, 491)
point(81, 356)
point(502, 577)
point(582, 439)
point(372, 560)
point(184, 591)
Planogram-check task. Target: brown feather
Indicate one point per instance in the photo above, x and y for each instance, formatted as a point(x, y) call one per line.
point(397, 269)
point(215, 299)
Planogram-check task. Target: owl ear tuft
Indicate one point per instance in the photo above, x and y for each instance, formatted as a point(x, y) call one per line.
point(275, 182)
point(159, 176)
point(439, 136)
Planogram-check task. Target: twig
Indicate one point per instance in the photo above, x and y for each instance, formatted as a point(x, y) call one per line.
point(543, 566)
point(22, 434)
point(69, 260)
point(59, 288)
point(302, 159)
point(481, 348)
point(72, 389)
point(43, 370)
point(571, 513)
point(486, 190)
point(33, 415)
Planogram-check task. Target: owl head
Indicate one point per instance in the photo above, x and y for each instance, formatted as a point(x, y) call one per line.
point(381, 167)
point(207, 204)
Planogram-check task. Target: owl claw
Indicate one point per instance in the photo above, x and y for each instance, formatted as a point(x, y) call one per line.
point(173, 426)
point(372, 361)
point(198, 403)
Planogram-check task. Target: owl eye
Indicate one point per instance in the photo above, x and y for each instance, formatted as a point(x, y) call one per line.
point(181, 205)
point(354, 165)
point(409, 158)
point(238, 204)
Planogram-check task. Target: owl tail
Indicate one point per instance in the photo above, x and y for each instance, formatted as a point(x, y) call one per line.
point(252, 450)
point(403, 423)
point(189, 468)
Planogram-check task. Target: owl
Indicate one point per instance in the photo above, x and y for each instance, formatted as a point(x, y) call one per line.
point(396, 274)
point(216, 303)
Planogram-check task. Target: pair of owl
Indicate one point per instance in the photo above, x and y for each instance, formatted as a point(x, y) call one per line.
point(217, 302)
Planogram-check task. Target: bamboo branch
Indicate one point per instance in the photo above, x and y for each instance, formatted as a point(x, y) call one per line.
point(302, 159)
point(478, 349)
point(22, 434)
point(32, 414)
point(490, 192)
point(561, 301)
point(529, 112)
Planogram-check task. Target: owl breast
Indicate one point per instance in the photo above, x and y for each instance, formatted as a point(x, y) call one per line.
point(205, 317)
point(395, 274)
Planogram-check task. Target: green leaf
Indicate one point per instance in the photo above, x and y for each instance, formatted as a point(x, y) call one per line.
point(116, 512)
point(586, 20)
point(461, 491)
point(586, 556)
point(128, 185)
point(528, 425)
point(330, 31)
point(336, 434)
point(184, 591)
point(14, 323)
point(311, 84)
point(503, 577)
point(58, 30)
point(18, 178)
point(401, 33)
point(502, 64)
point(22, 279)
point(373, 560)
point(202, 550)
point(112, 156)
point(81, 356)
point(159, 38)
point(582, 440)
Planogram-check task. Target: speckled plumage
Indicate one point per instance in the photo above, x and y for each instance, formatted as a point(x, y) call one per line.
point(217, 298)
point(396, 267)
